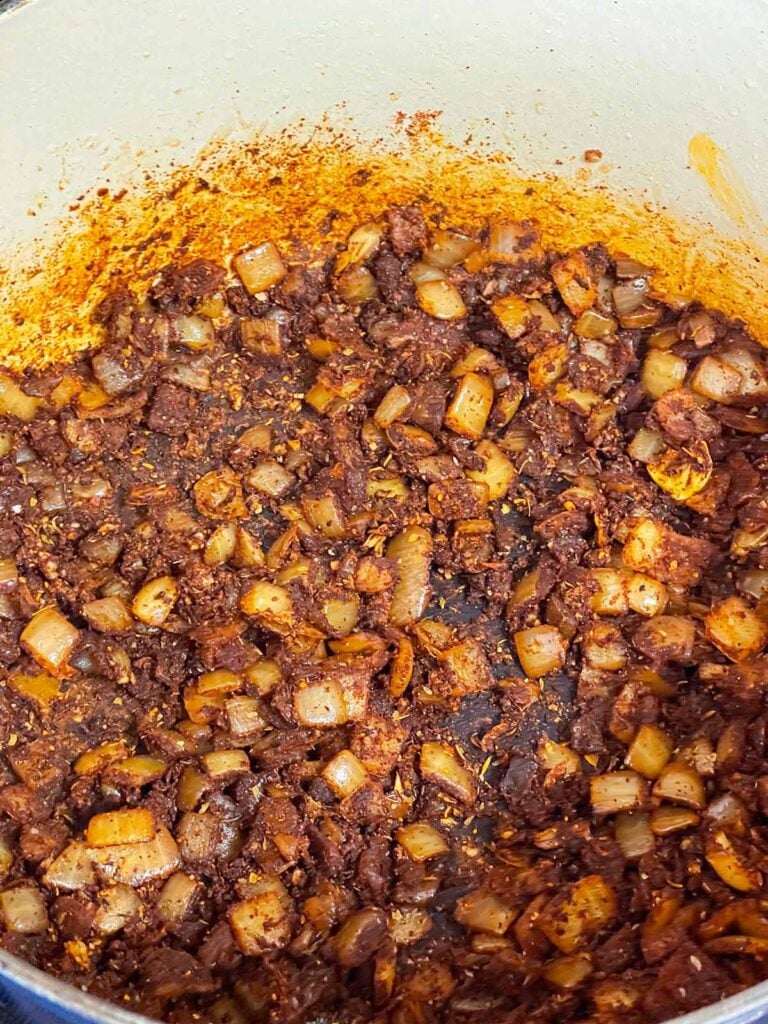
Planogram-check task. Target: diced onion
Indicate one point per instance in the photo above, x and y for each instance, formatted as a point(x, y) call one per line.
point(513, 313)
point(754, 376)
point(137, 771)
point(633, 834)
point(735, 629)
point(630, 295)
point(357, 285)
point(541, 649)
point(345, 774)
point(108, 615)
point(262, 337)
point(617, 791)
point(23, 911)
point(119, 904)
point(483, 912)
point(264, 675)
point(222, 763)
point(72, 870)
point(421, 841)
point(667, 819)
point(421, 272)
point(499, 472)
point(681, 784)
point(116, 828)
point(682, 474)
point(548, 366)
point(440, 765)
point(13, 401)
point(392, 406)
point(470, 406)
point(271, 604)
point(662, 372)
point(244, 717)
point(575, 281)
point(261, 922)
point(568, 972)
point(646, 445)
point(195, 332)
point(270, 478)
point(594, 325)
point(576, 914)
point(408, 925)
point(645, 595)
point(361, 245)
point(325, 514)
point(447, 248)
point(94, 761)
point(411, 551)
point(440, 299)
point(342, 614)
point(321, 704)
point(175, 899)
point(649, 751)
point(733, 868)
point(716, 380)
point(611, 597)
point(42, 690)
point(220, 545)
point(512, 243)
point(155, 601)
point(401, 668)
point(260, 268)
point(50, 638)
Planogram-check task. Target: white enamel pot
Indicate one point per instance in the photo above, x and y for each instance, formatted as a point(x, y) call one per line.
point(97, 90)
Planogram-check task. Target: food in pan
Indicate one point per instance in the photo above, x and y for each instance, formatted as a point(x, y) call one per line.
point(382, 640)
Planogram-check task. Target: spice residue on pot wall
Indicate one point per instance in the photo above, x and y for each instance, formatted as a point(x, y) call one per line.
point(316, 186)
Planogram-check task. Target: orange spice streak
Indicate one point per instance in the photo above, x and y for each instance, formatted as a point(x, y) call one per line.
point(308, 194)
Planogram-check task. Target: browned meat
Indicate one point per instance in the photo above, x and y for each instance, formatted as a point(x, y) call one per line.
point(172, 410)
point(179, 289)
point(407, 229)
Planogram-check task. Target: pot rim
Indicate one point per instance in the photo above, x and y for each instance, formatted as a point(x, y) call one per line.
point(742, 1008)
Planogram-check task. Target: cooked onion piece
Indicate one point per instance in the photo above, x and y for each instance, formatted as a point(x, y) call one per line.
point(15, 402)
point(23, 910)
point(440, 765)
point(649, 751)
point(260, 268)
point(155, 601)
point(662, 372)
point(617, 791)
point(51, 638)
point(321, 704)
point(541, 650)
point(421, 841)
point(440, 299)
point(579, 912)
point(116, 828)
point(681, 784)
point(411, 551)
point(483, 912)
point(470, 406)
point(345, 774)
point(735, 629)
point(269, 603)
point(262, 922)
point(135, 864)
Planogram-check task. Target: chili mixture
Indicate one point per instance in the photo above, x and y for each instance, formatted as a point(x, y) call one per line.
point(382, 641)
